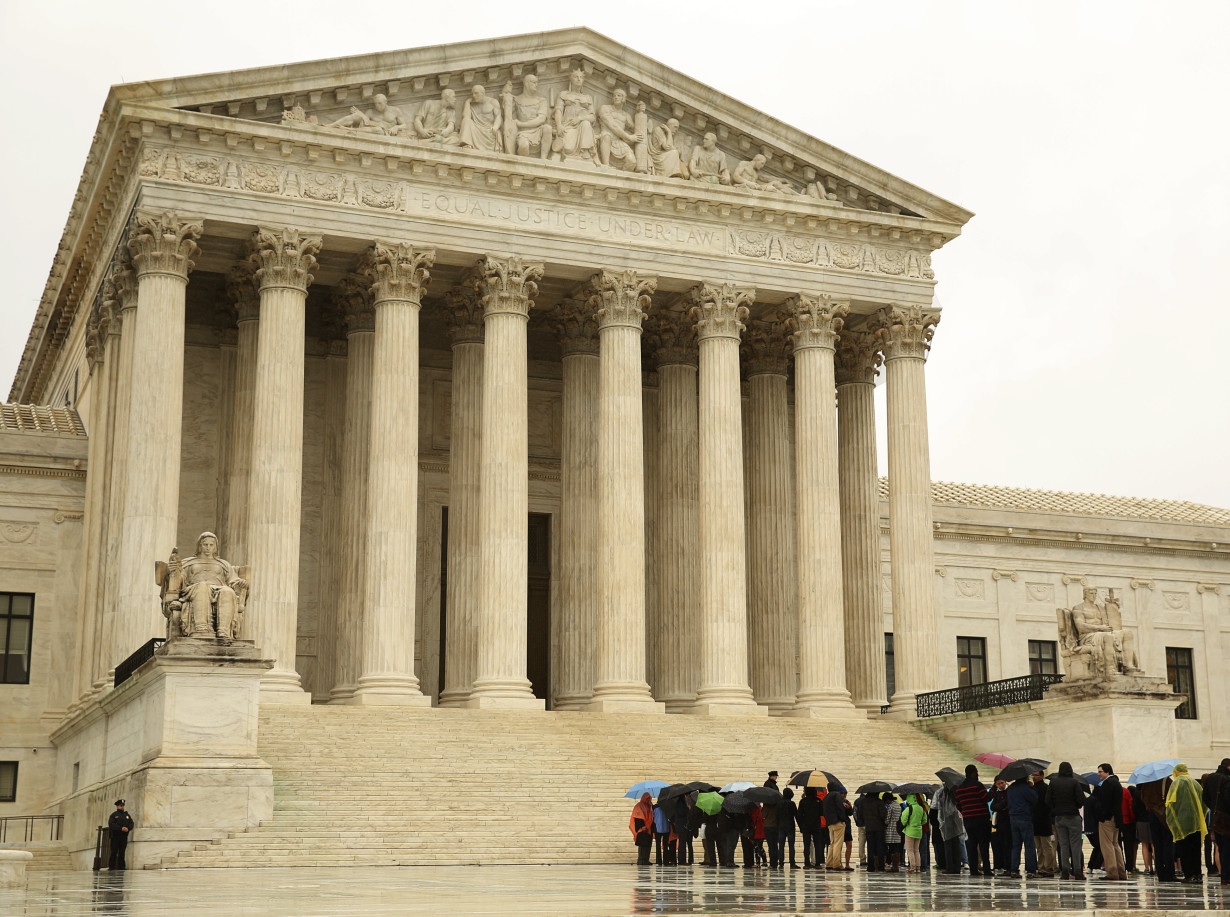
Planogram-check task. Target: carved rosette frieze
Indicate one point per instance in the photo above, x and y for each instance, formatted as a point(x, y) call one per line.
point(815, 321)
point(463, 309)
point(508, 284)
point(720, 309)
point(670, 338)
point(241, 292)
point(574, 322)
point(284, 258)
point(766, 349)
point(621, 298)
point(352, 296)
point(163, 243)
point(398, 271)
point(858, 357)
point(904, 331)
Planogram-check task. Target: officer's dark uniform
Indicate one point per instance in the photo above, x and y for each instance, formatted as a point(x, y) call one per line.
point(119, 837)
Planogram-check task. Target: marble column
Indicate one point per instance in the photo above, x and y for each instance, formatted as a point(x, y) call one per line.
point(241, 290)
point(822, 675)
point(672, 341)
point(399, 276)
point(904, 335)
point(107, 652)
point(621, 301)
point(509, 285)
point(162, 247)
point(465, 318)
point(858, 478)
point(329, 574)
point(353, 296)
point(720, 311)
point(578, 537)
point(772, 621)
point(284, 259)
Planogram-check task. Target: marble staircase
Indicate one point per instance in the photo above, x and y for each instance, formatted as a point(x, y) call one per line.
point(371, 786)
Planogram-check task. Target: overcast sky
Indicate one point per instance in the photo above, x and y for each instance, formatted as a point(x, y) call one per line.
point(1085, 331)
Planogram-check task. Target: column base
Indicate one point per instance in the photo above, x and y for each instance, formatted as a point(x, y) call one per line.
point(341, 695)
point(573, 702)
point(778, 706)
point(902, 707)
point(454, 698)
point(500, 702)
point(679, 703)
point(720, 709)
point(279, 694)
point(615, 705)
point(826, 712)
point(389, 694)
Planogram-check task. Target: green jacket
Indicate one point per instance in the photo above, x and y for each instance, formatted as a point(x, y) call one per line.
point(913, 818)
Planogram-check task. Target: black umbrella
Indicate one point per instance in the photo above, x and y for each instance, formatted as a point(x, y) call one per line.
point(817, 778)
point(737, 803)
point(1022, 767)
point(762, 794)
point(701, 787)
point(905, 789)
point(876, 786)
point(950, 776)
point(673, 791)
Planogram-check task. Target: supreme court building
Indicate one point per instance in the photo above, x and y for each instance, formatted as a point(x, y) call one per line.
point(530, 373)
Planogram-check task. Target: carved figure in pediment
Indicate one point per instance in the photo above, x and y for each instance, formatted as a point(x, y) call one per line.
point(708, 163)
point(202, 595)
point(383, 119)
point(480, 122)
point(1094, 643)
point(296, 113)
point(664, 155)
point(574, 122)
point(617, 137)
point(748, 175)
point(527, 126)
point(436, 121)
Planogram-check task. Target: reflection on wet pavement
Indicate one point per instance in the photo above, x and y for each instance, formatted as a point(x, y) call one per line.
point(573, 890)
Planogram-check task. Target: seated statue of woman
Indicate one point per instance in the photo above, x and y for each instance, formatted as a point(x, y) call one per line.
point(199, 588)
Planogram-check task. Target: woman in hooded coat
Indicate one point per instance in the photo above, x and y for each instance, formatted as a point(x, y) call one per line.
point(1185, 819)
point(641, 826)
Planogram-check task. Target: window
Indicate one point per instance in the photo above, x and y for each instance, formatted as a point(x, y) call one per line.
point(16, 630)
point(8, 781)
point(890, 670)
point(1181, 675)
point(1042, 657)
point(971, 661)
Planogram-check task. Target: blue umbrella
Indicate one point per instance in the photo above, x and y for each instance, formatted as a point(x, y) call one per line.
point(1154, 770)
point(736, 786)
point(1093, 778)
point(646, 786)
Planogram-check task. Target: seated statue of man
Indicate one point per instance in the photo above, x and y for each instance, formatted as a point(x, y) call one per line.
point(384, 119)
point(707, 163)
point(200, 588)
point(436, 121)
point(1113, 648)
point(526, 126)
point(748, 175)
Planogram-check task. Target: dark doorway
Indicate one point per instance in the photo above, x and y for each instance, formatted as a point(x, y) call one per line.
point(538, 613)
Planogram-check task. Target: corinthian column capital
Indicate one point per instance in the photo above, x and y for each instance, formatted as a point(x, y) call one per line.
point(904, 331)
point(242, 293)
point(671, 338)
point(858, 356)
point(353, 298)
point(399, 271)
point(464, 309)
point(767, 349)
point(109, 309)
point(815, 320)
point(622, 297)
point(125, 279)
point(284, 258)
point(163, 243)
point(509, 284)
point(574, 322)
point(720, 309)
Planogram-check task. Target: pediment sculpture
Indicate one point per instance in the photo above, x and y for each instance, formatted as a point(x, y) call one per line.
point(203, 596)
point(1093, 643)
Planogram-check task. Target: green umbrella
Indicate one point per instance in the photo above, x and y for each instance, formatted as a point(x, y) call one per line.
point(709, 803)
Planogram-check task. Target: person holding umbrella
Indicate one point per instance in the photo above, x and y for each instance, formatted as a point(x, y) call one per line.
point(641, 826)
point(1021, 800)
point(835, 807)
point(972, 799)
point(948, 828)
point(875, 822)
point(1185, 819)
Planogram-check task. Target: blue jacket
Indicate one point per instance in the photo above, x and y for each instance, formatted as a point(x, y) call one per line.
point(1021, 799)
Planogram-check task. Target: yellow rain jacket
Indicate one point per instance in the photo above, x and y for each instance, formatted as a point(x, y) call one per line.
point(1184, 810)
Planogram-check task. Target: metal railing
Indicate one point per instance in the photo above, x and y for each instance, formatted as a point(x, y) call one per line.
point(989, 694)
point(144, 653)
point(31, 828)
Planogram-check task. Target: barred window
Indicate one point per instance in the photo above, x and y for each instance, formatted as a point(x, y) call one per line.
point(1042, 657)
point(1182, 677)
point(16, 633)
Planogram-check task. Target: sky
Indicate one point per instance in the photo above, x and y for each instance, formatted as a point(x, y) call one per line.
point(1084, 334)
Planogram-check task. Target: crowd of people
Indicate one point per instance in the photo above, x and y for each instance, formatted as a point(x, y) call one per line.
point(1172, 829)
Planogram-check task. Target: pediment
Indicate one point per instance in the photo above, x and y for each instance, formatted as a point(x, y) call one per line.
point(396, 96)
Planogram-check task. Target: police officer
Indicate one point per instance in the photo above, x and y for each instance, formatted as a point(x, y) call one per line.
point(120, 826)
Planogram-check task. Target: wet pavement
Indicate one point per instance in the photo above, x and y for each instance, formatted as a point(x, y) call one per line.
point(565, 891)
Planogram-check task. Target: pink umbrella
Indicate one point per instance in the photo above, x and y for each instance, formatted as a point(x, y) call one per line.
point(994, 759)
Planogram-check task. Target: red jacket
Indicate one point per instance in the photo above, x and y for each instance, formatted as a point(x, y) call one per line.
point(758, 823)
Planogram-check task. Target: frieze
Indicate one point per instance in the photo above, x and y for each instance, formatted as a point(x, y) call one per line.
point(404, 196)
point(18, 532)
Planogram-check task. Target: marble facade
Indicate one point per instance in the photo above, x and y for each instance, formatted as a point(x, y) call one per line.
point(350, 299)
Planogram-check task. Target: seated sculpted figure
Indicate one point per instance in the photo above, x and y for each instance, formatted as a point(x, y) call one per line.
point(663, 153)
point(748, 175)
point(480, 122)
point(526, 128)
point(436, 121)
point(1099, 636)
point(574, 122)
point(707, 163)
point(618, 139)
point(384, 119)
point(202, 595)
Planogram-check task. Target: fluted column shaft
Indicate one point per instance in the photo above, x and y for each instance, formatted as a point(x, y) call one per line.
point(387, 675)
point(508, 286)
point(285, 259)
point(720, 313)
point(860, 519)
point(622, 299)
point(162, 248)
point(822, 676)
point(578, 537)
point(464, 497)
point(241, 431)
point(772, 623)
point(905, 335)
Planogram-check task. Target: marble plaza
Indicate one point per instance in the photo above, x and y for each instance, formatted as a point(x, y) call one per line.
point(439, 393)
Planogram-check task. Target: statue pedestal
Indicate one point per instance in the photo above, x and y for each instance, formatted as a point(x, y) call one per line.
point(177, 741)
point(1124, 722)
